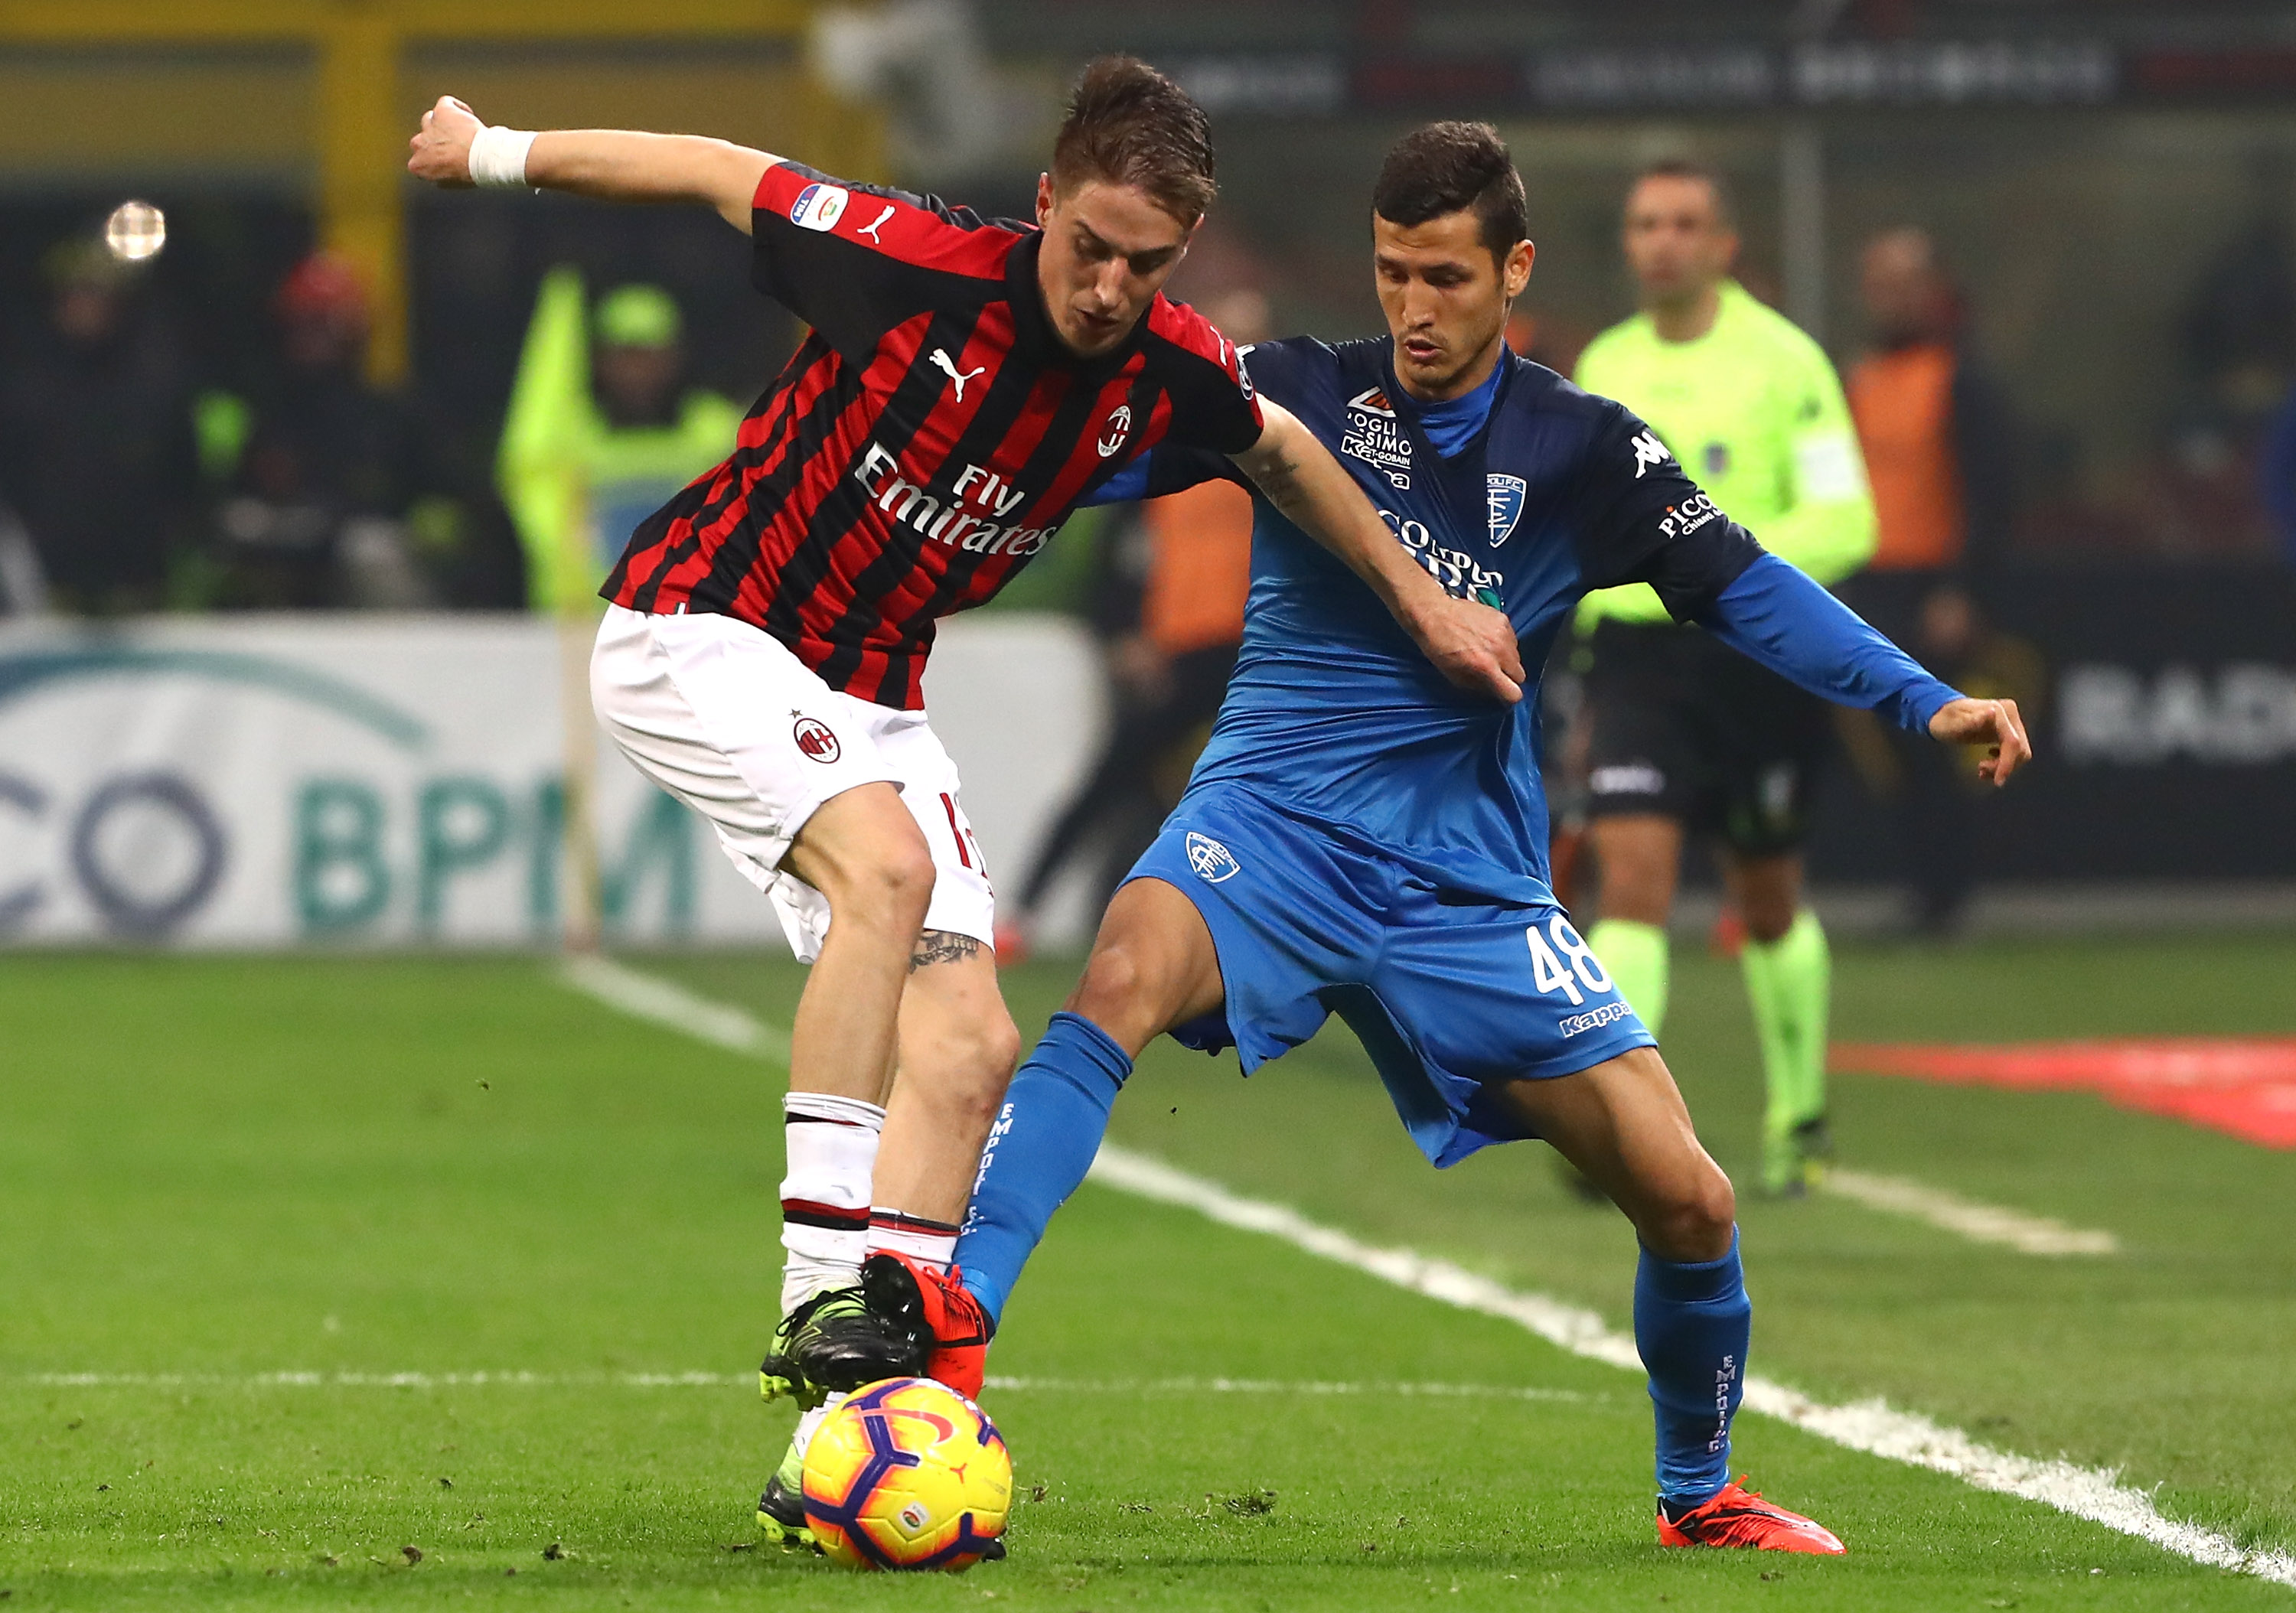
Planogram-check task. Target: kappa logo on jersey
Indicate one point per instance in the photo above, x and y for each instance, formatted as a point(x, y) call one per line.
point(819, 207)
point(947, 366)
point(1120, 429)
point(814, 739)
point(1212, 861)
point(1507, 493)
point(1373, 435)
point(871, 228)
point(1648, 452)
point(967, 515)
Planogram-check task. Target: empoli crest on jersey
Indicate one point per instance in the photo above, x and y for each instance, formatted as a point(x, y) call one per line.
point(1507, 493)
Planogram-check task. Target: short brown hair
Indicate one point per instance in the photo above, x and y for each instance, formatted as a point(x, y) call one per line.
point(1446, 167)
point(1726, 206)
point(1129, 125)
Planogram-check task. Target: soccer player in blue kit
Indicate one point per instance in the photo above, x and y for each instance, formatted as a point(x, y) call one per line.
point(1363, 839)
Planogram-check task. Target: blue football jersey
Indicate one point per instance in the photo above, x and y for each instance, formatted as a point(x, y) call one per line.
point(1333, 714)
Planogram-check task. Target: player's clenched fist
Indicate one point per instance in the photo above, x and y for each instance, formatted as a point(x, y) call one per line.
point(1992, 724)
point(441, 148)
point(1473, 644)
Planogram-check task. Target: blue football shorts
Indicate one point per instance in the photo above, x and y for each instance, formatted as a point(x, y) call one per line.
point(1451, 993)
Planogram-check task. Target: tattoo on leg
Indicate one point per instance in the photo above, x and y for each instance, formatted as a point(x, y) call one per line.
point(941, 946)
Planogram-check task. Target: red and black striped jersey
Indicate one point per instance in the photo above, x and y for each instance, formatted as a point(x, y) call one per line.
point(929, 435)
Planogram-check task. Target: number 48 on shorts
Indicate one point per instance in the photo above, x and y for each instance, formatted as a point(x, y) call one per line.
point(1562, 961)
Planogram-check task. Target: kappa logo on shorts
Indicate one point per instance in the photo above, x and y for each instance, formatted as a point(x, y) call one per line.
point(1594, 1018)
point(814, 738)
point(1212, 861)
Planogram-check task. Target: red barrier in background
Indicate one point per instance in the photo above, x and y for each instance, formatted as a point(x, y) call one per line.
point(2245, 1086)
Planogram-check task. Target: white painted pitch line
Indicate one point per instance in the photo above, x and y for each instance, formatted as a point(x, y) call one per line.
point(651, 997)
point(1978, 1222)
point(1871, 1426)
point(1307, 1387)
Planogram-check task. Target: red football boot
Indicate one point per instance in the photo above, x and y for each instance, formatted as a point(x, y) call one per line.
point(946, 1324)
point(1740, 1517)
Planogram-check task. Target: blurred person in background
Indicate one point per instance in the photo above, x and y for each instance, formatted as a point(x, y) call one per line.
point(1685, 736)
point(1171, 638)
point(600, 432)
point(1939, 444)
point(97, 463)
point(321, 468)
point(2277, 476)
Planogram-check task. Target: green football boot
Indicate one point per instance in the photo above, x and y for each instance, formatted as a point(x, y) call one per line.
point(779, 1376)
point(1794, 1161)
point(781, 1510)
point(835, 1342)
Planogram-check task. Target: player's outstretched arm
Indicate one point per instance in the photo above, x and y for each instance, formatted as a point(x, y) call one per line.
point(1992, 724)
point(1471, 644)
point(454, 148)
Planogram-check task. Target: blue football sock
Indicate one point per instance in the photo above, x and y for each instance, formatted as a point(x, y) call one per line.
point(1692, 1323)
point(1043, 1143)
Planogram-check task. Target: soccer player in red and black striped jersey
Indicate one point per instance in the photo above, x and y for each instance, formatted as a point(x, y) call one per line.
point(964, 384)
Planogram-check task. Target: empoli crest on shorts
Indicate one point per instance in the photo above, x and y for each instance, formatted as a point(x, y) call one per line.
point(1507, 493)
point(1212, 861)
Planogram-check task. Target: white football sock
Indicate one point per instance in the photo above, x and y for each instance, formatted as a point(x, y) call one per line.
point(833, 1149)
point(930, 1243)
point(810, 1420)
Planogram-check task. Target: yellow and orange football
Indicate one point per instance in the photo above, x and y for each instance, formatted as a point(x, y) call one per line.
point(907, 1474)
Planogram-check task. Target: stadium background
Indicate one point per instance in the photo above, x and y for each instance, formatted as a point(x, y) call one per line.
point(203, 1147)
point(2112, 186)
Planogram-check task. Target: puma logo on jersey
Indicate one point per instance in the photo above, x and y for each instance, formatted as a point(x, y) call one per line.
point(942, 362)
point(876, 223)
point(1648, 452)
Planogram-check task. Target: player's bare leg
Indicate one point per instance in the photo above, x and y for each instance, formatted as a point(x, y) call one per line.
point(1789, 978)
point(1623, 1125)
point(1152, 966)
point(958, 1046)
point(862, 851)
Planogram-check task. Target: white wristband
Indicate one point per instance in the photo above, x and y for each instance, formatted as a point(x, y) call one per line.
point(498, 156)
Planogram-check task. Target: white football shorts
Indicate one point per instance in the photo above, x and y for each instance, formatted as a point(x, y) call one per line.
point(722, 716)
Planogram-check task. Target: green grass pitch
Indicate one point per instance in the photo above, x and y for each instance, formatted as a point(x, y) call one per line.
point(217, 1172)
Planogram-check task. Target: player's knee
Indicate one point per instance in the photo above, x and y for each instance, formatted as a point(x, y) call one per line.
point(1695, 1219)
point(894, 888)
point(1112, 983)
point(976, 1062)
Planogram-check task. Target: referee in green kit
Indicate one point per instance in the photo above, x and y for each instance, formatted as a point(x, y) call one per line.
point(1688, 736)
